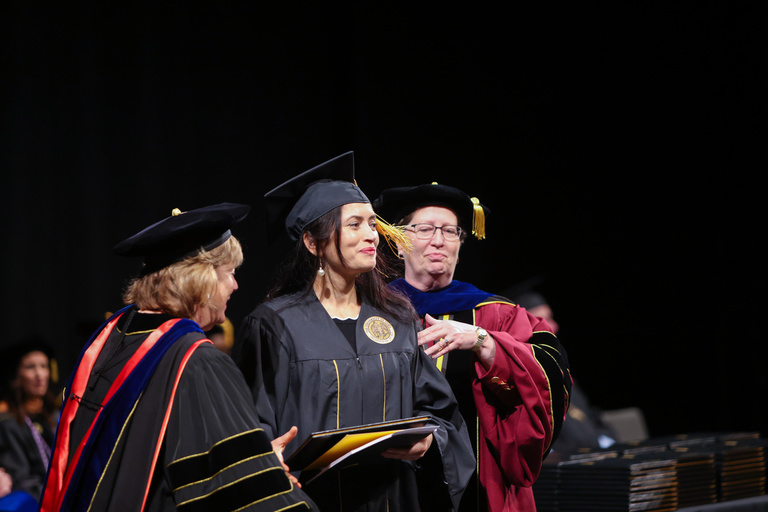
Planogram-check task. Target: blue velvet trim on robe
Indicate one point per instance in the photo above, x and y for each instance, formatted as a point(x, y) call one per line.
point(457, 296)
point(98, 447)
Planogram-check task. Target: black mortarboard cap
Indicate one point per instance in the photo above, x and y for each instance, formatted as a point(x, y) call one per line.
point(396, 203)
point(183, 234)
point(293, 205)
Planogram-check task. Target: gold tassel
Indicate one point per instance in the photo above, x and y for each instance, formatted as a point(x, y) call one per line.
point(54, 376)
point(478, 219)
point(394, 235)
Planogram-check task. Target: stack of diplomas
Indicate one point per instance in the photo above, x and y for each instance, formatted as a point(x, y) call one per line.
point(659, 474)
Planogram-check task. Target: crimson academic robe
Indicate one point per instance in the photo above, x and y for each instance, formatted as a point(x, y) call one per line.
point(158, 420)
point(303, 371)
point(520, 402)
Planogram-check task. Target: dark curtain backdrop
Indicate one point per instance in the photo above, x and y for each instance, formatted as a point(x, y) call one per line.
point(621, 147)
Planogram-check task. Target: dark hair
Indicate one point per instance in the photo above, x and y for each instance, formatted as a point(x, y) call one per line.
point(297, 274)
point(13, 395)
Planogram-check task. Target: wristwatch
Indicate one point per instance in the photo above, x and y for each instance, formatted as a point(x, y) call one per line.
point(481, 334)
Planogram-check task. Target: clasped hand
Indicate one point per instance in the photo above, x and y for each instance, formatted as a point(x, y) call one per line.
point(448, 335)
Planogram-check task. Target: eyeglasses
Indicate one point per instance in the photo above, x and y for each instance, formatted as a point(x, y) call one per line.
point(427, 231)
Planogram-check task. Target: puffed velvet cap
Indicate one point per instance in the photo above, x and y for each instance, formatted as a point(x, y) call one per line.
point(293, 205)
point(183, 235)
point(394, 204)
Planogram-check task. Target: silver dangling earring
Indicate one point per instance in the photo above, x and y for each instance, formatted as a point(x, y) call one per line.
point(320, 271)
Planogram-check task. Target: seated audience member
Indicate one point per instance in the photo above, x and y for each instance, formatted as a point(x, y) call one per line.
point(27, 425)
point(14, 501)
point(583, 429)
point(222, 335)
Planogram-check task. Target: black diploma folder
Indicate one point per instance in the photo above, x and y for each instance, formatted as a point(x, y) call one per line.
point(360, 444)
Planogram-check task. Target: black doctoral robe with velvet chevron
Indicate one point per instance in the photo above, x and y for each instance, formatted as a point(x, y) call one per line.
point(189, 441)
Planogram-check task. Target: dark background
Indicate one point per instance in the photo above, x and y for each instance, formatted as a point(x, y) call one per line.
point(621, 147)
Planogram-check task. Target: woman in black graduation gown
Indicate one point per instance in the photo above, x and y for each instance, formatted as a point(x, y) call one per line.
point(155, 417)
point(26, 427)
point(333, 347)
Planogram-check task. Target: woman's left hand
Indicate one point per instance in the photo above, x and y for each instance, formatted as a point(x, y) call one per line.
point(448, 335)
point(414, 452)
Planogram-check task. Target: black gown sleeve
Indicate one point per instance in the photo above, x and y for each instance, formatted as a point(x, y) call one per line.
point(452, 469)
point(263, 361)
point(18, 457)
point(226, 461)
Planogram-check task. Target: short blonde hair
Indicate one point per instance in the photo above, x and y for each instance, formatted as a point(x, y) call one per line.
point(180, 288)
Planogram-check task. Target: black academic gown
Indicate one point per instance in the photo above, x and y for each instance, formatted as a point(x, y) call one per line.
point(20, 455)
point(303, 371)
point(213, 456)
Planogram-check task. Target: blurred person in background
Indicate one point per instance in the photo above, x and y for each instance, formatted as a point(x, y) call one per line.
point(222, 335)
point(28, 420)
point(584, 428)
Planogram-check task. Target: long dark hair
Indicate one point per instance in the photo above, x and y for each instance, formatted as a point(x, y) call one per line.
point(298, 271)
point(13, 395)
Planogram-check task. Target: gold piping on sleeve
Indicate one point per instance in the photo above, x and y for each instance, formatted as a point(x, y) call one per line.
point(217, 444)
point(338, 393)
point(254, 457)
point(493, 302)
point(549, 388)
point(274, 468)
point(289, 507)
